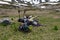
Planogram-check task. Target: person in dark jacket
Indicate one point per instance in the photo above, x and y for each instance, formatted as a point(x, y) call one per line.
point(24, 27)
point(27, 21)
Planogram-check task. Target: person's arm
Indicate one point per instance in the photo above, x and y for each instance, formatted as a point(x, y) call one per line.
point(31, 19)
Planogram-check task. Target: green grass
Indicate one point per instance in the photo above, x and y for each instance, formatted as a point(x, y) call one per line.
point(50, 30)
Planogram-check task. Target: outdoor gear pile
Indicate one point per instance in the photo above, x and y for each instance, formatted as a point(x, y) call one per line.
point(6, 22)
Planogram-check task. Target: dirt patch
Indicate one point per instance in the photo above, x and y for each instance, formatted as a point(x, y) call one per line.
point(56, 17)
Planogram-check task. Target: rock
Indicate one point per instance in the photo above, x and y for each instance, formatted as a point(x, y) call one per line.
point(1, 21)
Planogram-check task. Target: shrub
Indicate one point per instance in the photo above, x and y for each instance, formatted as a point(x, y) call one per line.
point(12, 19)
point(55, 28)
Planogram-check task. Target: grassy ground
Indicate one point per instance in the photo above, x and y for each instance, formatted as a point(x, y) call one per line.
point(49, 32)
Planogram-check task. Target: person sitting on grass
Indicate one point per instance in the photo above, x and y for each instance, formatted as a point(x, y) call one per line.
point(24, 27)
point(27, 21)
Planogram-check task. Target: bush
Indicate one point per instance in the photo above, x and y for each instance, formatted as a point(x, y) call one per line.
point(55, 28)
point(12, 18)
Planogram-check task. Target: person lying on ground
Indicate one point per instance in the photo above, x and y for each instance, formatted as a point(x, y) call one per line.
point(29, 20)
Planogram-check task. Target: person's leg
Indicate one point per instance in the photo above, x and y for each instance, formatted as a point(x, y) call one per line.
point(34, 23)
point(20, 27)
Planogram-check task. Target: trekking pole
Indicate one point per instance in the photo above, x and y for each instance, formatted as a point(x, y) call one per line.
point(19, 13)
point(24, 12)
